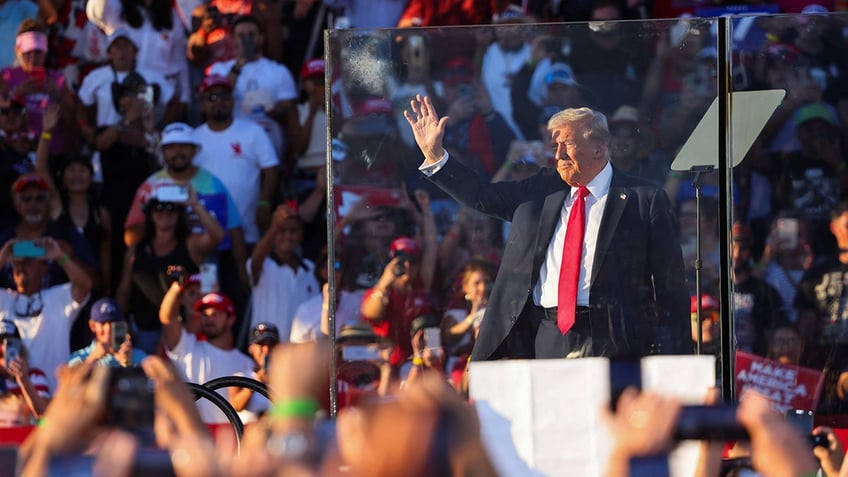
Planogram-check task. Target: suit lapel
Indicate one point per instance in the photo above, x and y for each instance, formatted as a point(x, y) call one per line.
point(551, 213)
point(617, 198)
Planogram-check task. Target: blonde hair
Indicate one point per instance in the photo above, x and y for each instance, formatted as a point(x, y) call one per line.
point(597, 129)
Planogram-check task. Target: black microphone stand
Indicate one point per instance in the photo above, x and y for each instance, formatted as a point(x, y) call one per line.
point(698, 184)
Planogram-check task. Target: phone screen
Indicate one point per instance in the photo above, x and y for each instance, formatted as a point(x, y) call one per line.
point(433, 338)
point(801, 420)
point(172, 193)
point(27, 249)
point(361, 353)
point(208, 278)
point(623, 374)
point(119, 334)
point(787, 232)
point(12, 350)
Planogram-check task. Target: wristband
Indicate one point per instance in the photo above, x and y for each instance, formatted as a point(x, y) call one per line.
point(417, 361)
point(264, 203)
point(295, 408)
point(841, 167)
point(507, 165)
point(41, 422)
point(47, 136)
point(62, 261)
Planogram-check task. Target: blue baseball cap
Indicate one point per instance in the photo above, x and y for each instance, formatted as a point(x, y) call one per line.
point(106, 310)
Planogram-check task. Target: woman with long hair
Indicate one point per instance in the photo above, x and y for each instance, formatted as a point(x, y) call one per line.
point(167, 242)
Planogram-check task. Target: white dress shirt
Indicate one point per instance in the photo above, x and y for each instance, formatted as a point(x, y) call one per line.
point(546, 291)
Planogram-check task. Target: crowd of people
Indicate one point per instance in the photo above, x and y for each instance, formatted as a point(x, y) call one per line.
point(167, 178)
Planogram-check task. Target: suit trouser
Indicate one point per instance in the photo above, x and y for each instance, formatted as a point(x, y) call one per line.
point(551, 343)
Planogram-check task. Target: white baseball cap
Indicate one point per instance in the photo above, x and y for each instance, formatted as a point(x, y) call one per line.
point(178, 133)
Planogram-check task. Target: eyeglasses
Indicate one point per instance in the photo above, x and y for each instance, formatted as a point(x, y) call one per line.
point(27, 198)
point(215, 97)
point(11, 110)
point(164, 207)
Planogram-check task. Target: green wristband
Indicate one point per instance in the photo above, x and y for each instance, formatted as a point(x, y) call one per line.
point(62, 261)
point(41, 422)
point(264, 203)
point(294, 408)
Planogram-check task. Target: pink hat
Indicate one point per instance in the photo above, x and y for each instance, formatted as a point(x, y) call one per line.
point(31, 40)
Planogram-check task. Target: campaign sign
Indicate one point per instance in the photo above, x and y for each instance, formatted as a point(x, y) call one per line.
point(787, 386)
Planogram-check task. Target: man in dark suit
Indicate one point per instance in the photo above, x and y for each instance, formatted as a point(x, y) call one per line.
point(631, 297)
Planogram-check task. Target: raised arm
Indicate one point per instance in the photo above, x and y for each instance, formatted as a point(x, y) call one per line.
point(427, 127)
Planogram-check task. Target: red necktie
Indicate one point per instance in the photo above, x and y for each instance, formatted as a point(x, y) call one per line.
point(572, 252)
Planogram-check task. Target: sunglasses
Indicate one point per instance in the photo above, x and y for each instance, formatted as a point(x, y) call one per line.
point(215, 97)
point(27, 198)
point(624, 132)
point(11, 110)
point(164, 207)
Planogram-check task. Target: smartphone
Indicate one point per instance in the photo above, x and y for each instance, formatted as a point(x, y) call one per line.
point(27, 249)
point(787, 232)
point(623, 374)
point(172, 193)
point(801, 420)
point(208, 278)
point(131, 405)
point(361, 353)
point(119, 334)
point(266, 362)
point(433, 338)
point(12, 348)
point(146, 94)
point(38, 73)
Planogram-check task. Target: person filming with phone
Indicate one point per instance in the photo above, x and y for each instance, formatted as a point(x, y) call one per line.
point(112, 345)
point(43, 315)
point(17, 377)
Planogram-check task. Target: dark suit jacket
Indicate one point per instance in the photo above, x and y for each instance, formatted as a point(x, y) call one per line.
point(638, 299)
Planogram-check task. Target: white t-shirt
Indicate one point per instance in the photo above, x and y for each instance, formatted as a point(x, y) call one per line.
point(306, 325)
point(280, 291)
point(47, 335)
point(498, 68)
point(161, 51)
point(236, 156)
point(262, 82)
point(316, 152)
point(200, 362)
point(96, 89)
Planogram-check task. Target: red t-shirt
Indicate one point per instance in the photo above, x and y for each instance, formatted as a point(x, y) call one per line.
point(396, 325)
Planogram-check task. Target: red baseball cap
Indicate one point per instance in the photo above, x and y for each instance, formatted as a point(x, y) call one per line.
point(213, 81)
point(708, 302)
point(312, 67)
point(405, 244)
point(217, 301)
point(28, 180)
point(373, 106)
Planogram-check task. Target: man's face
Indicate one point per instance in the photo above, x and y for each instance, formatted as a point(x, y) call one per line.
point(248, 40)
point(815, 135)
point(624, 140)
point(216, 323)
point(579, 159)
point(562, 95)
point(709, 326)
point(122, 54)
point(258, 351)
point(31, 205)
point(178, 157)
point(102, 333)
point(11, 117)
point(839, 229)
point(786, 346)
point(28, 274)
point(217, 103)
point(289, 237)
